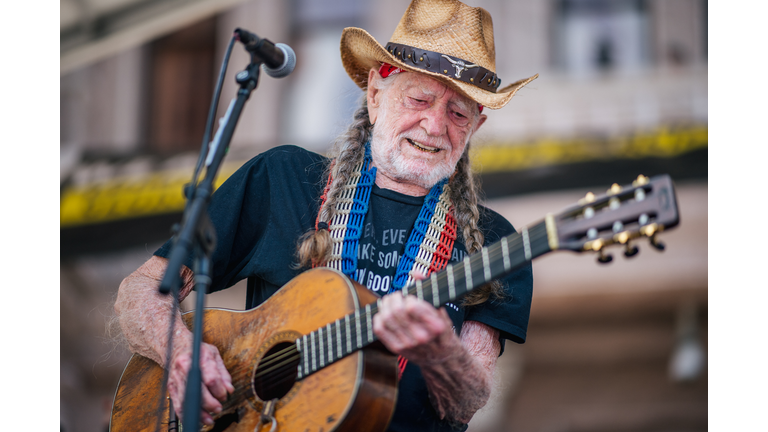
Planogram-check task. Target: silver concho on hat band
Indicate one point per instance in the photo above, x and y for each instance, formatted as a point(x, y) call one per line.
point(459, 65)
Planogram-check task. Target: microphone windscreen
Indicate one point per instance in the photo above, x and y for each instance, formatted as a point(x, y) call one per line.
point(289, 63)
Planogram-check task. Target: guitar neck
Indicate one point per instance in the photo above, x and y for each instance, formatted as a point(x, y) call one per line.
point(355, 331)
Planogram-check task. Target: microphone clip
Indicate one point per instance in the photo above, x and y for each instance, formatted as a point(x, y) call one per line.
point(248, 78)
point(246, 38)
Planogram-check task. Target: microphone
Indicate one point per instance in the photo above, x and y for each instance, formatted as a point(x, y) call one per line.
point(278, 60)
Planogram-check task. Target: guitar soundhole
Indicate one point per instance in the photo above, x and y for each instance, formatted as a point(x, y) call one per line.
point(277, 371)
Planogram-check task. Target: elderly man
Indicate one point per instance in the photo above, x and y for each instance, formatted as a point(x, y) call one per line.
point(402, 165)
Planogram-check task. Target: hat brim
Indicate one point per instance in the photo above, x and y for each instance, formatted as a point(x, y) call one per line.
point(360, 53)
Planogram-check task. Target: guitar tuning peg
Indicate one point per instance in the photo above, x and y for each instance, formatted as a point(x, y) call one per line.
point(598, 246)
point(615, 188)
point(630, 250)
point(604, 258)
point(641, 180)
point(588, 198)
point(624, 238)
point(656, 243)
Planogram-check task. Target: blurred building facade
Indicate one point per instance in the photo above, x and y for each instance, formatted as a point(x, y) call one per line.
point(622, 90)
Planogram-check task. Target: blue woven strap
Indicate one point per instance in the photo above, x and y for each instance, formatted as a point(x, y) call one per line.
point(408, 260)
point(357, 216)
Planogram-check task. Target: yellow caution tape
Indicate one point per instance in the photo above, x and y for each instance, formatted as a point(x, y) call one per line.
point(129, 197)
point(664, 142)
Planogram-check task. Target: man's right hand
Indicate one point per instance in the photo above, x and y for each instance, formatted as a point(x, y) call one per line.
point(145, 317)
point(217, 383)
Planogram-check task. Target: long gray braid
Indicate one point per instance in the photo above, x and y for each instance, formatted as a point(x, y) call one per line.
point(465, 192)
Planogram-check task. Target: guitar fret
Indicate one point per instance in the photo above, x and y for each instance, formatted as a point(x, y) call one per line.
point(451, 283)
point(435, 293)
point(539, 243)
point(312, 343)
point(419, 292)
point(526, 244)
point(330, 343)
point(349, 334)
point(551, 225)
point(505, 253)
point(298, 348)
point(357, 327)
point(320, 346)
point(306, 357)
point(338, 338)
point(369, 322)
point(486, 267)
point(467, 274)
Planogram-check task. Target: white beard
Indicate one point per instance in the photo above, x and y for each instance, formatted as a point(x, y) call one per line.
point(405, 170)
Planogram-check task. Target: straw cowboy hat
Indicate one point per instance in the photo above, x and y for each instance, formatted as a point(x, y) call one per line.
point(444, 39)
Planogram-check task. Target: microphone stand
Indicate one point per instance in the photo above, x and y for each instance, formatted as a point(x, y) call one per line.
point(196, 233)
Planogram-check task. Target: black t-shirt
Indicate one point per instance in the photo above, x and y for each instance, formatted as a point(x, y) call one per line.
point(260, 212)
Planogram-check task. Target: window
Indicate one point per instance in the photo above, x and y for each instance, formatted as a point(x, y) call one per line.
point(599, 36)
point(181, 88)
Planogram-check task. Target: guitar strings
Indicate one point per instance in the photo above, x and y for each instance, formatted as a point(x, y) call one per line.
point(267, 361)
point(288, 361)
point(277, 379)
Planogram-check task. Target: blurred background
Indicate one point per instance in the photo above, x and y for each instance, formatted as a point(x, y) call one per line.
point(622, 91)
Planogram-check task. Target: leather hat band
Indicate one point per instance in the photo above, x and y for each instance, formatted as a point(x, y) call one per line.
point(452, 67)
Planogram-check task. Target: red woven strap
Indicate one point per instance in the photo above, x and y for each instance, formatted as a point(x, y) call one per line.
point(401, 363)
point(443, 250)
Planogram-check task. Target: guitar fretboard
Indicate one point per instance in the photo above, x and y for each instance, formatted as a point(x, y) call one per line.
point(355, 331)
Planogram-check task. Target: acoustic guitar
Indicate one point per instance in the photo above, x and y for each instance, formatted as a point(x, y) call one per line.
point(307, 359)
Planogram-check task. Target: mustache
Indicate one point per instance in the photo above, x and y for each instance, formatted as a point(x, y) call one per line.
point(422, 138)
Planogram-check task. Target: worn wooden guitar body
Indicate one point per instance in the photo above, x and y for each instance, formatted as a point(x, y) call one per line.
point(354, 393)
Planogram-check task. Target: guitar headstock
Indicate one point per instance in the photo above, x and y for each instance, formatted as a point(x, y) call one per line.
point(643, 209)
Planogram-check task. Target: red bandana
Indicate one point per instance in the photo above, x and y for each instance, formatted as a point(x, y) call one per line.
point(387, 69)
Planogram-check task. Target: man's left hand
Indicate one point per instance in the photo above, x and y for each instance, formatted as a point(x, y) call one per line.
point(414, 329)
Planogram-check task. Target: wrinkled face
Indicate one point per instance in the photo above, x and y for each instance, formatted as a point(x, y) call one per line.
point(421, 128)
